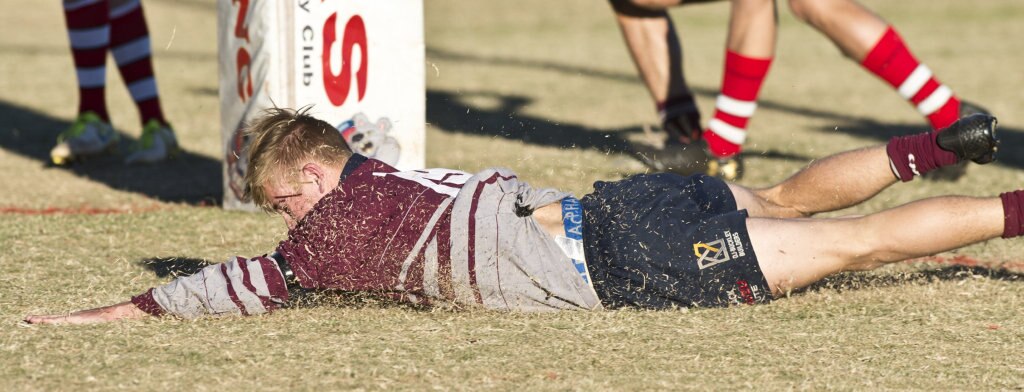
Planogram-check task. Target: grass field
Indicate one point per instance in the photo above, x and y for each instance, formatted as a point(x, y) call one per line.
point(542, 87)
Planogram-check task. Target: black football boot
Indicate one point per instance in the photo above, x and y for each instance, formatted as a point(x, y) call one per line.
point(683, 152)
point(954, 172)
point(971, 138)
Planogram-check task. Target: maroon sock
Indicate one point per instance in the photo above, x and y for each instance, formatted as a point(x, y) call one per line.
point(916, 155)
point(129, 42)
point(1013, 213)
point(89, 33)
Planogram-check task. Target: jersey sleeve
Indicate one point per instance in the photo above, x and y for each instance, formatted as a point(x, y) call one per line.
point(236, 287)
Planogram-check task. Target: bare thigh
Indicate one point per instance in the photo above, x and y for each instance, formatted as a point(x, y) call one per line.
point(795, 253)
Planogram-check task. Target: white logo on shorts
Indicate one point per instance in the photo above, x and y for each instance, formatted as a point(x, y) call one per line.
point(711, 253)
point(719, 251)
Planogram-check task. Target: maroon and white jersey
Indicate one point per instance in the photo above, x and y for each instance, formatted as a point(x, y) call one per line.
point(424, 236)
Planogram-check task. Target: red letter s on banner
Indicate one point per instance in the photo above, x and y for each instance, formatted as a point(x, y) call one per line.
point(244, 75)
point(337, 86)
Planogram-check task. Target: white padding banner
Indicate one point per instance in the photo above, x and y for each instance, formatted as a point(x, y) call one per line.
point(359, 63)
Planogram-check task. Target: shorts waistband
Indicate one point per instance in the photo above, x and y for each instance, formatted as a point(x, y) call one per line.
point(572, 242)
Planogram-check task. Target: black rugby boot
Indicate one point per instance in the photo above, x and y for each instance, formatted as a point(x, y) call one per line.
point(954, 172)
point(683, 152)
point(675, 157)
point(971, 138)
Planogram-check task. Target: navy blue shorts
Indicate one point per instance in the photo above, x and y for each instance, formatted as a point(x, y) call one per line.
point(664, 240)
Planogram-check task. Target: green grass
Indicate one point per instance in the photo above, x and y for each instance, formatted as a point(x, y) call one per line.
point(514, 84)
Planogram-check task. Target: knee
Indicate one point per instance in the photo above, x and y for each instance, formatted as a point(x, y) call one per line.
point(867, 249)
point(774, 203)
point(813, 12)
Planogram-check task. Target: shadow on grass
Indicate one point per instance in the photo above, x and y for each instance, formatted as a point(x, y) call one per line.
point(445, 110)
point(173, 267)
point(190, 178)
point(860, 281)
point(451, 112)
point(1011, 139)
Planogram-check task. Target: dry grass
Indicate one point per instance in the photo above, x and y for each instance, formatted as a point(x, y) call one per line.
point(511, 84)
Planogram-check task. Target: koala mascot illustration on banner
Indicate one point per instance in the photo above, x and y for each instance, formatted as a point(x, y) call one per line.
point(371, 139)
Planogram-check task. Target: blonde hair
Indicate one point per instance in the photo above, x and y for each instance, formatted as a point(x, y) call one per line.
point(281, 140)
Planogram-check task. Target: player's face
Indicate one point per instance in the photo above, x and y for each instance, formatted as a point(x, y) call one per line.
point(293, 200)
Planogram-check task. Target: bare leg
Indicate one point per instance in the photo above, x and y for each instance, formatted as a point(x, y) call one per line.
point(652, 42)
point(794, 253)
point(853, 28)
point(752, 28)
point(750, 49)
point(828, 184)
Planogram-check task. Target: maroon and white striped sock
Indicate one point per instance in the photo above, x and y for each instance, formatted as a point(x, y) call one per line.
point(736, 104)
point(915, 155)
point(1013, 213)
point(89, 33)
point(892, 61)
point(129, 41)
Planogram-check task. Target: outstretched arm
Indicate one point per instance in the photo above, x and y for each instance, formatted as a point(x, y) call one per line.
point(122, 311)
point(237, 287)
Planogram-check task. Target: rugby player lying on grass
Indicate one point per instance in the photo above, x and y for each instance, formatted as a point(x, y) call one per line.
point(651, 241)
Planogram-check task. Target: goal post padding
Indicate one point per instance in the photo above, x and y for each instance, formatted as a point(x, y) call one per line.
point(360, 64)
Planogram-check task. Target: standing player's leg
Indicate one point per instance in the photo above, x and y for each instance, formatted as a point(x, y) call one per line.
point(871, 41)
point(130, 45)
point(793, 253)
point(654, 46)
point(89, 33)
point(849, 178)
point(750, 48)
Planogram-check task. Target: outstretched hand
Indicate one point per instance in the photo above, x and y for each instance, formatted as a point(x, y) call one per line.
point(121, 311)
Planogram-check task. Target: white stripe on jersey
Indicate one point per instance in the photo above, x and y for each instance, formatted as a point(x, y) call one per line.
point(209, 290)
point(459, 255)
point(430, 285)
point(726, 131)
point(935, 101)
point(95, 37)
point(443, 181)
point(252, 301)
point(735, 107)
point(419, 245)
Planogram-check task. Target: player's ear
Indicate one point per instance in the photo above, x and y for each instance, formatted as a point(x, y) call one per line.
point(314, 172)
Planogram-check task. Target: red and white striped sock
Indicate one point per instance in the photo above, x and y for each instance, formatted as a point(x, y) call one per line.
point(892, 61)
point(129, 41)
point(736, 104)
point(89, 33)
